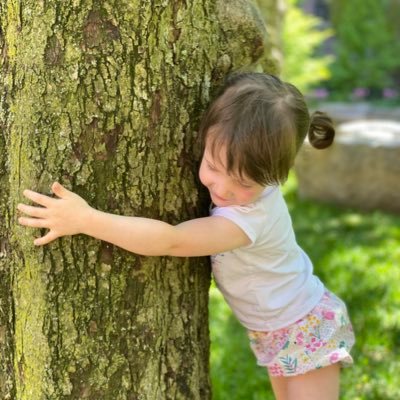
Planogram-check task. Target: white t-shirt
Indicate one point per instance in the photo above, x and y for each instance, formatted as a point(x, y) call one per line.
point(269, 284)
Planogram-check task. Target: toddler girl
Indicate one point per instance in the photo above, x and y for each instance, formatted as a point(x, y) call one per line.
point(298, 329)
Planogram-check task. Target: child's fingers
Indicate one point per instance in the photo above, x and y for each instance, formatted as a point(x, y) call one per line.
point(33, 222)
point(59, 190)
point(37, 197)
point(49, 237)
point(38, 212)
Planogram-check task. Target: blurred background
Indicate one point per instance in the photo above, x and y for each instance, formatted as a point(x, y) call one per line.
point(343, 50)
point(344, 55)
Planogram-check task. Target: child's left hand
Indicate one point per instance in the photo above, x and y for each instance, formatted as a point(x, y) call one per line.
point(65, 215)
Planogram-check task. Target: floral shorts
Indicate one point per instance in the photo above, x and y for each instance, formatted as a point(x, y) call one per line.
point(323, 337)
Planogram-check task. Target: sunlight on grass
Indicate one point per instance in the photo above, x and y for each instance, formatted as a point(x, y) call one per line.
point(235, 374)
point(357, 255)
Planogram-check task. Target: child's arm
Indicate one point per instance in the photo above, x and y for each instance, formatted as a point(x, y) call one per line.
point(69, 214)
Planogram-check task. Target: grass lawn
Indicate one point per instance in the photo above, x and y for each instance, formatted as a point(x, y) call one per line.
point(357, 255)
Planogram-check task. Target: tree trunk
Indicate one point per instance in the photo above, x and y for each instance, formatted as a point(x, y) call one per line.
point(7, 380)
point(105, 97)
point(272, 12)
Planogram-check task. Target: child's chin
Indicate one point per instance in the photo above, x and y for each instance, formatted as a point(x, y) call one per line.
point(219, 202)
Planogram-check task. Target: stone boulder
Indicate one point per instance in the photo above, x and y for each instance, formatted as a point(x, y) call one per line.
point(361, 169)
point(348, 112)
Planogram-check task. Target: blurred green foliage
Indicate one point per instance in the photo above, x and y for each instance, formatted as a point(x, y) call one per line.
point(302, 37)
point(366, 45)
point(357, 255)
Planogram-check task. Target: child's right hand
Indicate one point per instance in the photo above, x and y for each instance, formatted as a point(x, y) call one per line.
point(65, 215)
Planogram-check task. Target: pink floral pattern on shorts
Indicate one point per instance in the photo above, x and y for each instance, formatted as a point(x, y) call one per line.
point(323, 337)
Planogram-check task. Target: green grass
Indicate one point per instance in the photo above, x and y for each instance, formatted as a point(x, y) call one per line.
point(357, 255)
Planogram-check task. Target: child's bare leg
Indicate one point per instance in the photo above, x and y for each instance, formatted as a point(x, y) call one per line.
point(279, 386)
point(315, 385)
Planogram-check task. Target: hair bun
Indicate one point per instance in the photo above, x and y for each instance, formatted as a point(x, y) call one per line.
point(321, 132)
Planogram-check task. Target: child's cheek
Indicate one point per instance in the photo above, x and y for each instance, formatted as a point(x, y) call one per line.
point(251, 195)
point(248, 195)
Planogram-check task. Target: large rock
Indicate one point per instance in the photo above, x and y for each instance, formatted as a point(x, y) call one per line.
point(361, 169)
point(347, 112)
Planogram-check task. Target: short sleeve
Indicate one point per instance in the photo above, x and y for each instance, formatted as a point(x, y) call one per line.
point(249, 218)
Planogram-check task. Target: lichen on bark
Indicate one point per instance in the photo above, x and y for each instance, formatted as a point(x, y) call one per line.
point(7, 380)
point(106, 97)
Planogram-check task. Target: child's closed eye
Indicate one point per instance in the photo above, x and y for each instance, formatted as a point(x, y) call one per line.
point(246, 185)
point(211, 167)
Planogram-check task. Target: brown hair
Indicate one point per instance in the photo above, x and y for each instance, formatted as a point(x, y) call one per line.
point(263, 122)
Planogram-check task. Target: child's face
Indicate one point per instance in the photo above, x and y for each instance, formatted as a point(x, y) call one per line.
point(225, 188)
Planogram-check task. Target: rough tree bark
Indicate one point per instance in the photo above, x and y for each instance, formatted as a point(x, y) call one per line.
point(105, 97)
point(272, 12)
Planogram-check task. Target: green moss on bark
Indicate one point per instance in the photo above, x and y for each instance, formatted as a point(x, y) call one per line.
point(105, 97)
